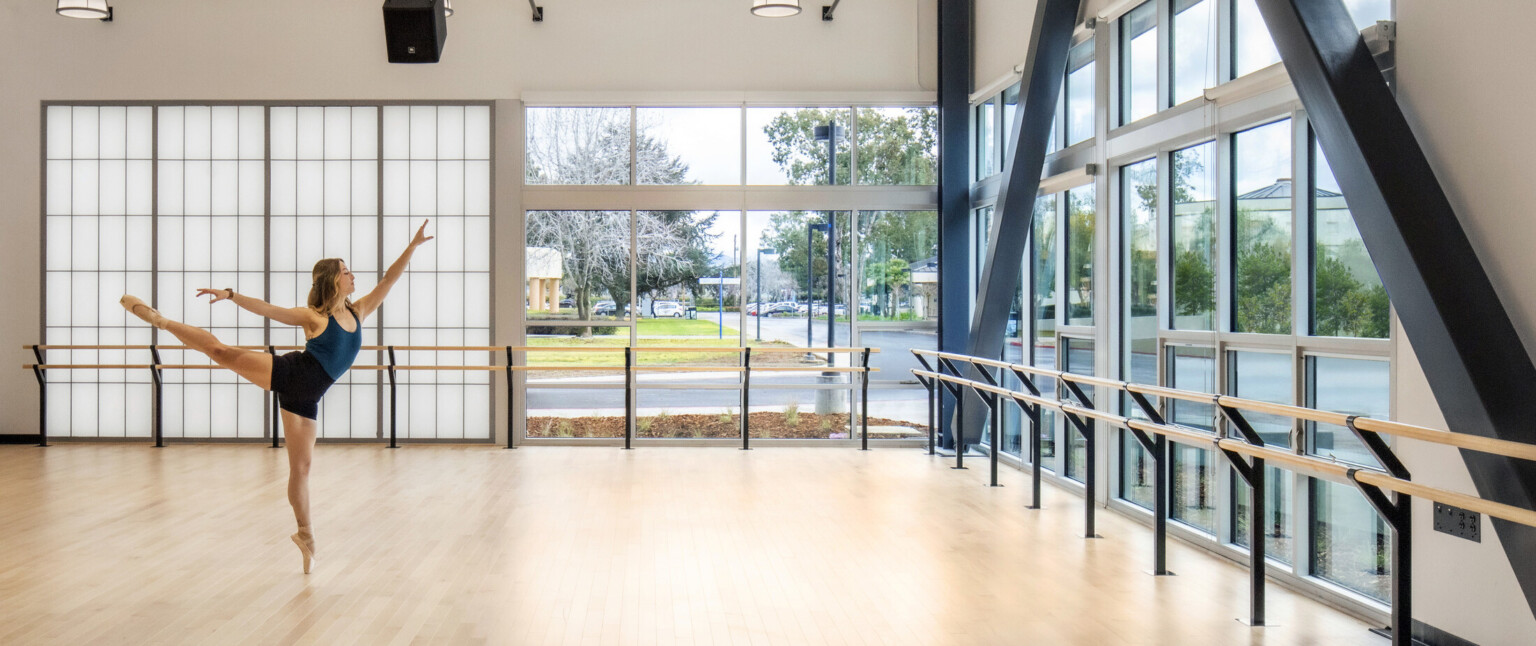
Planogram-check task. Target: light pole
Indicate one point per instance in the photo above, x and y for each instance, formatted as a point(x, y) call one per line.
point(830, 133)
point(759, 312)
point(810, 278)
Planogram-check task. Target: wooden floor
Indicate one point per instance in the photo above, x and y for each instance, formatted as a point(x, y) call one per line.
point(108, 543)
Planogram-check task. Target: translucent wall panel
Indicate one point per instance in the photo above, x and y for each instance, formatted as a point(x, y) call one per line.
point(444, 298)
point(688, 146)
point(1194, 238)
point(583, 146)
point(98, 244)
point(1262, 189)
point(1195, 42)
point(782, 148)
point(210, 203)
point(1138, 63)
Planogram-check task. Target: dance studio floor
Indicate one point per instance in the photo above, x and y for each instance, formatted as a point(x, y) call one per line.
point(117, 543)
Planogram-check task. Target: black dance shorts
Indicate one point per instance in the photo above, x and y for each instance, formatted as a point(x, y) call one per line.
point(299, 380)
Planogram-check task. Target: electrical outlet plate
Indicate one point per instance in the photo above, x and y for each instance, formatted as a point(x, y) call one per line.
point(1459, 522)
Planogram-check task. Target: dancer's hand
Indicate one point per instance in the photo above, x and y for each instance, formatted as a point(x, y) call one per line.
point(421, 235)
point(217, 294)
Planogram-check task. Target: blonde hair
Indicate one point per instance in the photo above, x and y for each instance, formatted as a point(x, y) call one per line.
point(324, 292)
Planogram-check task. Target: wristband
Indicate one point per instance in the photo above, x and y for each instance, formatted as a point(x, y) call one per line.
point(231, 294)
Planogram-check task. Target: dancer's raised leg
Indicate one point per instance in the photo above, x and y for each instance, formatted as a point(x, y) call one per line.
point(300, 435)
point(256, 367)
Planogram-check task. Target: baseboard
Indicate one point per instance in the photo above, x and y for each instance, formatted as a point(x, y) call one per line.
point(21, 439)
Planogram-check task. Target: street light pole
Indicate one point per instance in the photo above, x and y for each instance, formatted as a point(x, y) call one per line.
point(829, 133)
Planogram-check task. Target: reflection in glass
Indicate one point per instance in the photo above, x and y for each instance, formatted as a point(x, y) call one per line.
point(1194, 48)
point(1138, 362)
point(1265, 377)
point(1080, 246)
point(1349, 539)
point(1043, 353)
point(1010, 109)
point(584, 146)
point(1262, 239)
point(1347, 296)
point(898, 146)
point(1138, 63)
point(578, 265)
point(1079, 360)
point(986, 139)
point(688, 145)
point(1194, 237)
point(898, 256)
point(1194, 491)
point(1253, 48)
point(1192, 368)
point(1014, 420)
point(1079, 93)
point(782, 148)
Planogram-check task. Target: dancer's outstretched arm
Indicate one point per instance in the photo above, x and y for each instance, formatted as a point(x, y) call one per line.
point(372, 300)
point(295, 316)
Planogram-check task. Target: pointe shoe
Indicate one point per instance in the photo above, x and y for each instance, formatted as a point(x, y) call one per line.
point(149, 314)
point(306, 547)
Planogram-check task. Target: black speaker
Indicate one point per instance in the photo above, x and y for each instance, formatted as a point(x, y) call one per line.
point(414, 30)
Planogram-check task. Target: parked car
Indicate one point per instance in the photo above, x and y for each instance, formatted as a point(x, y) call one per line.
point(668, 309)
point(568, 302)
point(603, 308)
point(781, 308)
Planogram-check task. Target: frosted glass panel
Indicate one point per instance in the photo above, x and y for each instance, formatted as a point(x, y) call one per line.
point(477, 132)
point(253, 134)
point(450, 132)
point(113, 182)
point(252, 188)
point(397, 132)
point(139, 196)
point(86, 125)
point(114, 132)
point(170, 198)
point(197, 132)
point(477, 188)
point(60, 190)
point(284, 129)
point(61, 127)
point(365, 135)
point(83, 200)
point(140, 132)
point(338, 132)
point(226, 132)
point(225, 186)
point(450, 187)
point(171, 132)
point(423, 132)
point(311, 132)
point(197, 178)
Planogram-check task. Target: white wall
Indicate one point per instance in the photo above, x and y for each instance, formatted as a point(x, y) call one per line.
point(1465, 89)
point(334, 49)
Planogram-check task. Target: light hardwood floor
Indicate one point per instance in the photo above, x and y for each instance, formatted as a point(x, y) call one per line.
point(110, 543)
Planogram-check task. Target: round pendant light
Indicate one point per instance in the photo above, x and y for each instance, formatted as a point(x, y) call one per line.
point(90, 9)
point(775, 8)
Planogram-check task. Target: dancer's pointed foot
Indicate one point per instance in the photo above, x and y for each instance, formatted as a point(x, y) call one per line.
point(305, 539)
point(136, 307)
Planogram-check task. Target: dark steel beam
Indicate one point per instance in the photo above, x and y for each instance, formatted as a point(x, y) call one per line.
point(1480, 372)
point(956, 18)
point(1050, 38)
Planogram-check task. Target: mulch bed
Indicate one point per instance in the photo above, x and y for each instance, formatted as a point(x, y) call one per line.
point(767, 424)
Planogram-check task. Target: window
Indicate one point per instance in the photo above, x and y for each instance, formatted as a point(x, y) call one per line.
point(687, 145)
point(900, 146)
point(1138, 362)
point(1081, 220)
point(1265, 377)
point(1366, 12)
point(1010, 110)
point(1194, 44)
point(1193, 491)
point(1138, 63)
point(1043, 352)
point(1194, 238)
point(584, 146)
point(1252, 48)
point(1079, 93)
point(1349, 539)
point(782, 150)
point(1347, 296)
point(986, 139)
point(1262, 229)
point(1079, 360)
point(898, 250)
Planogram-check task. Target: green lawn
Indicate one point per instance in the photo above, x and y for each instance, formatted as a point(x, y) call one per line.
point(684, 327)
point(615, 358)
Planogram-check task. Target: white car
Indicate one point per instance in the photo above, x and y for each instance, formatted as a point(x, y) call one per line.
point(668, 309)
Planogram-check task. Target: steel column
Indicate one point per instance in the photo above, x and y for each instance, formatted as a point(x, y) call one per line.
point(955, 42)
point(1044, 68)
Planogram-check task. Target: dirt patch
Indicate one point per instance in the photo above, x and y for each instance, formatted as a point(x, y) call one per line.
point(766, 424)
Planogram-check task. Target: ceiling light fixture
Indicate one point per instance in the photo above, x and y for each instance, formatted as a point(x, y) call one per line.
point(775, 8)
point(87, 9)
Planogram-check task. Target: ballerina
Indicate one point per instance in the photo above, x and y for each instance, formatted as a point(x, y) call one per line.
point(332, 325)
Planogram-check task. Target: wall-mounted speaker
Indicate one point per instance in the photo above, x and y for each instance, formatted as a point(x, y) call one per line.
point(414, 30)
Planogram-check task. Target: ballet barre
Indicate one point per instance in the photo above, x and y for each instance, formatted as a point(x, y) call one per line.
point(630, 369)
